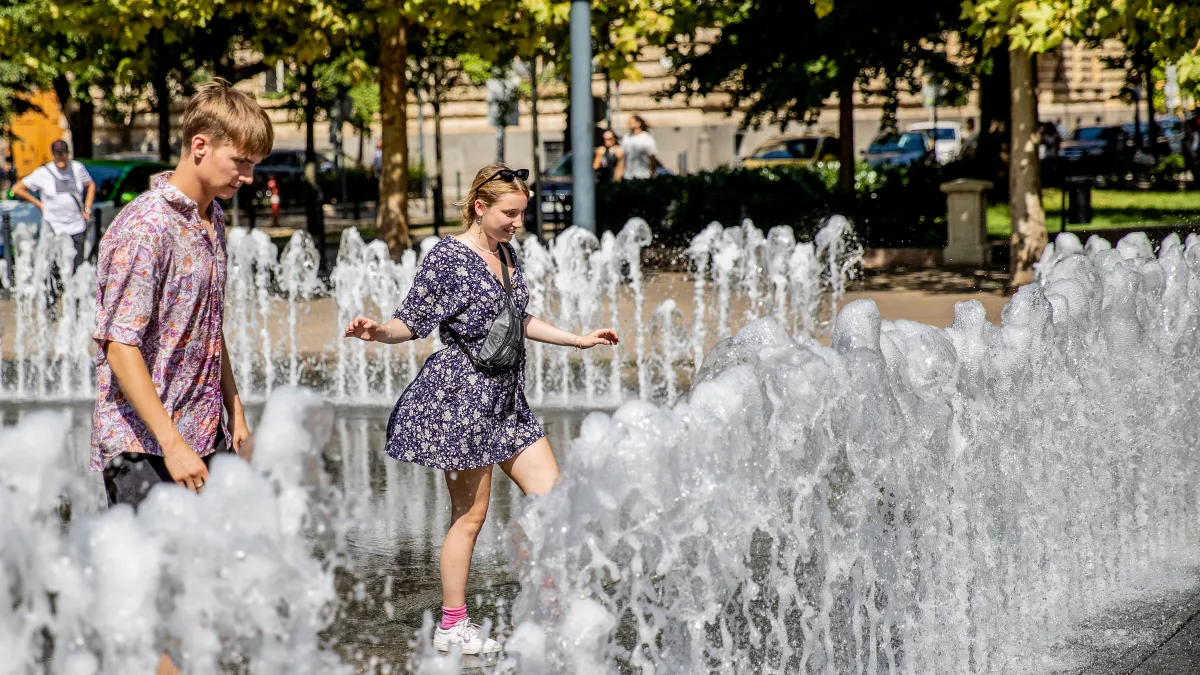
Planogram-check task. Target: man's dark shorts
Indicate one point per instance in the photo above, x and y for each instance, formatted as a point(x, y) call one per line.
point(129, 477)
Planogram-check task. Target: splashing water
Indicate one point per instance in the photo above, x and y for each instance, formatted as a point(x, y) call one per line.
point(577, 281)
point(908, 500)
point(224, 580)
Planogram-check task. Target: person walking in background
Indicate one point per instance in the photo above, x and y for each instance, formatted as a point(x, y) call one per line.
point(466, 413)
point(66, 193)
point(273, 192)
point(641, 152)
point(609, 161)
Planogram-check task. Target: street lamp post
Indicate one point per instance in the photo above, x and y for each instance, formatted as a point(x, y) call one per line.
point(583, 188)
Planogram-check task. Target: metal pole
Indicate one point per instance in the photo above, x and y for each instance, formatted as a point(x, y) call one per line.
point(6, 240)
point(583, 188)
point(537, 152)
point(421, 137)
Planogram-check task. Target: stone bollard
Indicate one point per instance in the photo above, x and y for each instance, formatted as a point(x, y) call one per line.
point(966, 223)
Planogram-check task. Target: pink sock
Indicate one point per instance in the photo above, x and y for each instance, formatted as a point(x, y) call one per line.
point(452, 615)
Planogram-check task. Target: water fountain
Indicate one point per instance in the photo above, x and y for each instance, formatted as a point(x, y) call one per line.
point(908, 500)
point(227, 579)
point(577, 281)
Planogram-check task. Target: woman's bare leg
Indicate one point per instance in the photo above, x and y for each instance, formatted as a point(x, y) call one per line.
point(534, 469)
point(470, 490)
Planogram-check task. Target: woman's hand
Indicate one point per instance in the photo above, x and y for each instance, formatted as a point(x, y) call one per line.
point(600, 336)
point(363, 329)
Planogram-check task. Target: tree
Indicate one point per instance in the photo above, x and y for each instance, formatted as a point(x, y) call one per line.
point(781, 61)
point(1167, 30)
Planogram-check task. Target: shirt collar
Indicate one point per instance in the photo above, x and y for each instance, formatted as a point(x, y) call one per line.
point(160, 183)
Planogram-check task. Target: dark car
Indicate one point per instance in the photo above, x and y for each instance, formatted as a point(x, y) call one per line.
point(899, 149)
point(287, 166)
point(1105, 152)
point(556, 192)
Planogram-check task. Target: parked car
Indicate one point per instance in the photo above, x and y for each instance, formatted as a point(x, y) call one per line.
point(1105, 152)
point(947, 139)
point(1170, 133)
point(286, 160)
point(556, 192)
point(899, 149)
point(793, 151)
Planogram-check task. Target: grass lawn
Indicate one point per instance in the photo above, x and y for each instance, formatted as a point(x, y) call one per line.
point(1110, 209)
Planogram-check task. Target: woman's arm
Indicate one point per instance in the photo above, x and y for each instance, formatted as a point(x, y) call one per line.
point(540, 331)
point(391, 333)
point(596, 159)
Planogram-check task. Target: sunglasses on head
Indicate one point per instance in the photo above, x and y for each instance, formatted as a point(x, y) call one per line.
point(507, 175)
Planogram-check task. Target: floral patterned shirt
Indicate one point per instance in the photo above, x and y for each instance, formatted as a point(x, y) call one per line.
point(161, 288)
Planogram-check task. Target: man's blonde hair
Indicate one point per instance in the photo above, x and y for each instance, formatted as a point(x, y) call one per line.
point(227, 116)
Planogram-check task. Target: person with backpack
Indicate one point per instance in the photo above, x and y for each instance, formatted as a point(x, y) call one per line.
point(65, 196)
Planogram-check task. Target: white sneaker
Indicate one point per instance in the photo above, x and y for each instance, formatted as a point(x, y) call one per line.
point(466, 635)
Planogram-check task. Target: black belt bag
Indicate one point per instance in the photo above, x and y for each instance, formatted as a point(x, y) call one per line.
point(504, 345)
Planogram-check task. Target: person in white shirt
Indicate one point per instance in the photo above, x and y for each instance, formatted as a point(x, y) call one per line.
point(65, 196)
point(641, 152)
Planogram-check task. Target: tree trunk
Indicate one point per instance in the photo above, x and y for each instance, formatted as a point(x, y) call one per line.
point(439, 195)
point(80, 117)
point(391, 217)
point(1025, 184)
point(312, 198)
point(1151, 125)
point(846, 134)
point(537, 146)
point(162, 109)
point(995, 123)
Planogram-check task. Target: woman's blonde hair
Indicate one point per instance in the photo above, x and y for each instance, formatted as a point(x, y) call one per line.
point(488, 191)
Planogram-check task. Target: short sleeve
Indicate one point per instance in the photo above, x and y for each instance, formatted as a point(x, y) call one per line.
point(435, 294)
point(36, 181)
point(81, 174)
point(127, 273)
point(651, 145)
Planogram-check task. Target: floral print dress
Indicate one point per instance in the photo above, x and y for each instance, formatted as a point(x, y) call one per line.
point(453, 416)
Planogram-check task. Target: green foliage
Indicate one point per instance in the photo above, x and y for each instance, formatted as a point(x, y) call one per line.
point(1170, 169)
point(893, 207)
point(783, 60)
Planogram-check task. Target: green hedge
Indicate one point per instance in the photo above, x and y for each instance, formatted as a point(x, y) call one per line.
point(892, 207)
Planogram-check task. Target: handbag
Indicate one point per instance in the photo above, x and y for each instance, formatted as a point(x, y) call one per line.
point(504, 345)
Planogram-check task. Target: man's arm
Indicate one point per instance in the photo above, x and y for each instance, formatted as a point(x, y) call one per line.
point(89, 197)
point(22, 192)
point(233, 405)
point(182, 462)
point(619, 172)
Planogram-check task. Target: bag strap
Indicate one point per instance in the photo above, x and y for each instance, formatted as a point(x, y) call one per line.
point(504, 270)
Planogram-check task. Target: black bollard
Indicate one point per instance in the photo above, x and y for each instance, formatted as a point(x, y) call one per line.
point(6, 241)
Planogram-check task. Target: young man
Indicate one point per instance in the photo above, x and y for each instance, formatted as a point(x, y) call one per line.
point(66, 195)
point(161, 365)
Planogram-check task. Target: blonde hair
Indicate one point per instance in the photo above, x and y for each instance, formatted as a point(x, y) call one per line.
point(227, 116)
point(488, 191)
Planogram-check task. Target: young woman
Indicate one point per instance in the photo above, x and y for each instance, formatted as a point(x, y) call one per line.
point(461, 414)
point(609, 160)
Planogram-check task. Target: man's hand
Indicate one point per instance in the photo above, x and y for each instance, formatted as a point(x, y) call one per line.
point(184, 465)
point(243, 442)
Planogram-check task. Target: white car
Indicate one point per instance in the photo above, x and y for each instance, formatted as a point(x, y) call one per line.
point(947, 139)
